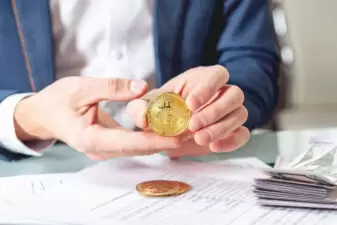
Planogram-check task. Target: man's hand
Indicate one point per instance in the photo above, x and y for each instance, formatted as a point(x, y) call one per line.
point(68, 110)
point(218, 111)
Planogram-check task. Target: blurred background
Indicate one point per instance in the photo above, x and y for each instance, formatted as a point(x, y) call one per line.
point(307, 33)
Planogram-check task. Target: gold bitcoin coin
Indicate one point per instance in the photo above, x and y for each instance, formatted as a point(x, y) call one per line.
point(162, 188)
point(168, 115)
point(183, 187)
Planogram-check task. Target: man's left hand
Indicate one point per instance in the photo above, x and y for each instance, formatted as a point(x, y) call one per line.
point(218, 113)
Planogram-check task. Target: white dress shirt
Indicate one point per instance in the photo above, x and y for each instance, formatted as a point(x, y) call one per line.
point(96, 38)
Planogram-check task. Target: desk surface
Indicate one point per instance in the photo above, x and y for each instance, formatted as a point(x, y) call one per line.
point(266, 147)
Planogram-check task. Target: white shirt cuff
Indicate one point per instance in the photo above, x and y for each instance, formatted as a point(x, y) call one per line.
point(8, 138)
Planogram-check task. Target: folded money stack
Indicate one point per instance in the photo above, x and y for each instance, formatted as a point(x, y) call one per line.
point(308, 181)
point(296, 189)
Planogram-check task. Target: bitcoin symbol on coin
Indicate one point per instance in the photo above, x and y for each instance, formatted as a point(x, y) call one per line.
point(168, 114)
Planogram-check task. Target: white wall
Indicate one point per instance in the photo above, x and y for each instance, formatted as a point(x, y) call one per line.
point(312, 34)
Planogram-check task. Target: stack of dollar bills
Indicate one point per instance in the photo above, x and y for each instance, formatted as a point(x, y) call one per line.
point(308, 181)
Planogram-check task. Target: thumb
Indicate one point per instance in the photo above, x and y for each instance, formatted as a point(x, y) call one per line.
point(105, 120)
point(137, 111)
point(94, 90)
point(137, 108)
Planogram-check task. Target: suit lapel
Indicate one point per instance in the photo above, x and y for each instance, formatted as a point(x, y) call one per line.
point(168, 22)
point(34, 24)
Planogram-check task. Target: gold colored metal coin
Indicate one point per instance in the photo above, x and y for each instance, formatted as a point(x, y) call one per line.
point(161, 188)
point(168, 114)
point(183, 187)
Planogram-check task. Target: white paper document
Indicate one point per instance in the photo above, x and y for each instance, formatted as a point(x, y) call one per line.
point(27, 186)
point(18, 189)
point(8, 216)
point(242, 163)
point(106, 194)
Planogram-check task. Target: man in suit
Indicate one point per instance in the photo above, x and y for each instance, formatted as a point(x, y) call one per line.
point(72, 70)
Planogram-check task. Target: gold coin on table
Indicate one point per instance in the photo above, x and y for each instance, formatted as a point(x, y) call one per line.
point(183, 187)
point(168, 115)
point(162, 188)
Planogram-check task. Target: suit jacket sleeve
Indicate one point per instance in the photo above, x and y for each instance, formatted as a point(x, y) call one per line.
point(248, 49)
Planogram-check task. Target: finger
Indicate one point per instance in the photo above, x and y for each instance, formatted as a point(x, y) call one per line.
point(230, 99)
point(95, 156)
point(137, 111)
point(137, 108)
point(203, 91)
point(174, 158)
point(154, 93)
point(232, 142)
point(229, 123)
point(99, 156)
point(189, 148)
point(104, 119)
point(101, 139)
point(93, 90)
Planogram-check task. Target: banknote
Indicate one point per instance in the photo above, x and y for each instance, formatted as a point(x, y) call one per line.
point(291, 175)
point(319, 159)
point(314, 147)
point(315, 152)
point(325, 166)
point(307, 181)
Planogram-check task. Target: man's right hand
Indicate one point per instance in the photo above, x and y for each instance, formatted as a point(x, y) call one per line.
point(68, 110)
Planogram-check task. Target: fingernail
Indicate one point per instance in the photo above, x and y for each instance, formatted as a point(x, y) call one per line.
point(223, 148)
point(137, 86)
point(174, 158)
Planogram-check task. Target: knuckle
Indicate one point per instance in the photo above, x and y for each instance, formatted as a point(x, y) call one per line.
point(201, 120)
point(194, 69)
point(177, 142)
point(198, 99)
point(76, 88)
point(116, 85)
point(245, 131)
point(244, 113)
point(113, 85)
point(210, 134)
point(217, 113)
point(221, 71)
point(192, 72)
point(71, 85)
point(239, 95)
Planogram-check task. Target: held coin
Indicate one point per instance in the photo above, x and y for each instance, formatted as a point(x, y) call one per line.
point(168, 115)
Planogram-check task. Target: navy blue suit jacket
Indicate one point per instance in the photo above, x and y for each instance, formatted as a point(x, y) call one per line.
point(237, 34)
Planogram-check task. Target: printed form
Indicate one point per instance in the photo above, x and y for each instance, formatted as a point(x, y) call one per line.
point(105, 194)
point(18, 189)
